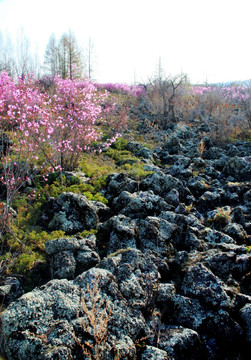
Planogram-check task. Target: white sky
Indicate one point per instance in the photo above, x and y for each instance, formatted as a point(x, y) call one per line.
point(205, 39)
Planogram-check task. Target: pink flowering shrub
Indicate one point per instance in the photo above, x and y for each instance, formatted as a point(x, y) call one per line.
point(49, 129)
point(223, 109)
point(132, 90)
point(59, 125)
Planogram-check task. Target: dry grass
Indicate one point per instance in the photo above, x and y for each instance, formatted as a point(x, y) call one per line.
point(98, 313)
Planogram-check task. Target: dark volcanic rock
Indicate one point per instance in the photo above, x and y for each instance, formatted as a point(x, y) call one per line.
point(116, 183)
point(10, 290)
point(168, 274)
point(73, 213)
point(70, 257)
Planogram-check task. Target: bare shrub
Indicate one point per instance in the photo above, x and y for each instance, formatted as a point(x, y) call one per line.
point(163, 96)
point(201, 148)
point(97, 310)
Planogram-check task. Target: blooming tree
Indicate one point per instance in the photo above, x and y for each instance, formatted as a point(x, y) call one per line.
point(49, 130)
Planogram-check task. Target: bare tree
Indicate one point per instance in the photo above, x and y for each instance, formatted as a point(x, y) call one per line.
point(162, 94)
point(23, 58)
point(51, 59)
point(18, 60)
point(90, 58)
point(64, 57)
point(7, 62)
point(75, 59)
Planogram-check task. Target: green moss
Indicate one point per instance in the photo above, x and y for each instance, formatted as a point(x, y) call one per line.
point(136, 171)
point(94, 165)
point(120, 155)
point(120, 144)
point(25, 262)
point(86, 233)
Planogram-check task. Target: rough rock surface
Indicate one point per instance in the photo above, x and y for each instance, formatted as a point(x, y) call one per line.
point(168, 273)
point(73, 213)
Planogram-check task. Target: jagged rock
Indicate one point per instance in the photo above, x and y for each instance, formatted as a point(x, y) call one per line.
point(161, 184)
point(182, 162)
point(212, 153)
point(197, 186)
point(153, 353)
point(215, 237)
point(139, 150)
point(191, 241)
point(232, 150)
point(53, 319)
point(182, 310)
point(10, 290)
point(154, 234)
point(190, 313)
point(63, 265)
point(245, 314)
point(145, 203)
point(247, 198)
point(172, 145)
point(71, 244)
point(167, 159)
point(199, 282)
point(220, 263)
point(70, 257)
point(166, 292)
point(73, 213)
point(242, 265)
point(176, 341)
point(173, 197)
point(119, 232)
point(209, 200)
point(137, 276)
point(122, 200)
point(239, 168)
point(194, 221)
point(237, 232)
point(116, 183)
point(198, 162)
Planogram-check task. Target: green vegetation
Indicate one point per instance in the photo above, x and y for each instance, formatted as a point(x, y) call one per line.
point(221, 218)
point(25, 242)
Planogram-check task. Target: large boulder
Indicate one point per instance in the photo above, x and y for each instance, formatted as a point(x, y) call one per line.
point(119, 232)
point(139, 150)
point(154, 234)
point(10, 290)
point(63, 317)
point(161, 184)
point(137, 276)
point(200, 283)
point(68, 257)
point(73, 213)
point(239, 168)
point(145, 203)
point(116, 183)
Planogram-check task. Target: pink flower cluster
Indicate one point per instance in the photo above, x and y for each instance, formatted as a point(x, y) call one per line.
point(53, 123)
point(229, 93)
point(132, 90)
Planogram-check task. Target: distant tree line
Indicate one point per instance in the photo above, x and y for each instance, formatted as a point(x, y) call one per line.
point(63, 57)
